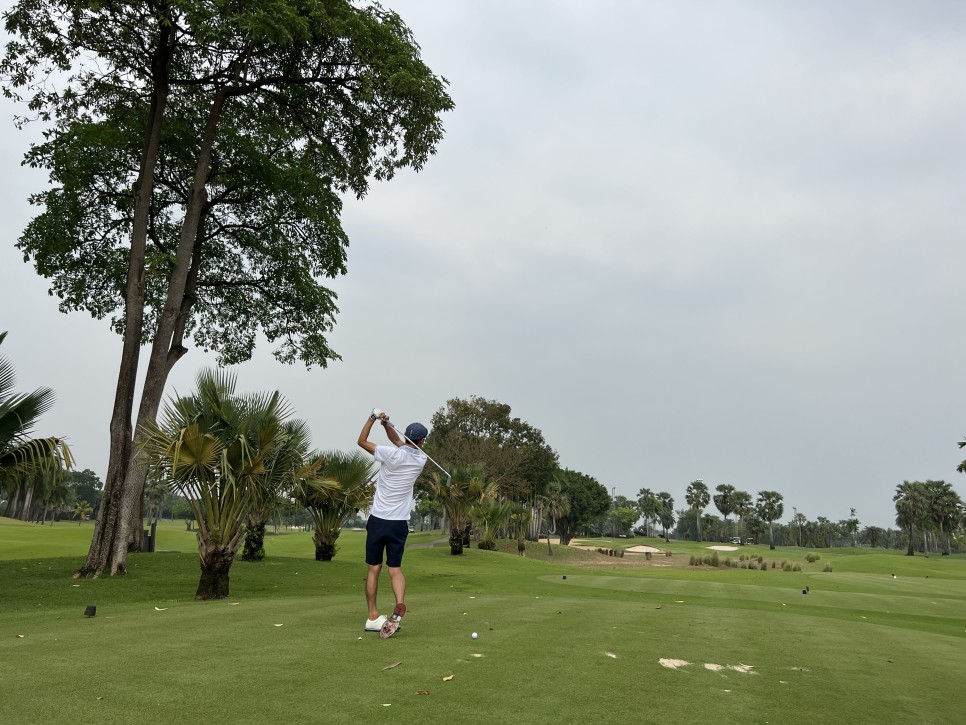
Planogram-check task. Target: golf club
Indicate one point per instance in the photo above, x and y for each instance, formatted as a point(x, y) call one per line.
point(376, 413)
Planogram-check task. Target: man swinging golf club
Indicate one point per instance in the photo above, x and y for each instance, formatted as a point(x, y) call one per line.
point(388, 525)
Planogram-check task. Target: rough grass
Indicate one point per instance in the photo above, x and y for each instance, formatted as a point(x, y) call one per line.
point(859, 647)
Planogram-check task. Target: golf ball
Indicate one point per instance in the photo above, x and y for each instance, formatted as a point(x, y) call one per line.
point(474, 635)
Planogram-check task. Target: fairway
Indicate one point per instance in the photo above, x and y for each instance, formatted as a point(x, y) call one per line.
point(564, 639)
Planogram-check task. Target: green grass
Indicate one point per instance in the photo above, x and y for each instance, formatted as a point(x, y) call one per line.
point(860, 647)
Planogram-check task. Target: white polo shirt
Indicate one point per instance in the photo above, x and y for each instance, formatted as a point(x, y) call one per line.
point(398, 470)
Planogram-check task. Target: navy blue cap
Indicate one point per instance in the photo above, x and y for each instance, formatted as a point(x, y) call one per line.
point(416, 432)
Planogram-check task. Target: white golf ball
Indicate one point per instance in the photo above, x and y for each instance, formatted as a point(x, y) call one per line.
point(474, 635)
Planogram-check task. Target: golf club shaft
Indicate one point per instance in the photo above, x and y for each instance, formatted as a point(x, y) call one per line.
point(407, 439)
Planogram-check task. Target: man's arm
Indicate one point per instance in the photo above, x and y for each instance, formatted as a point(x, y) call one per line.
point(364, 441)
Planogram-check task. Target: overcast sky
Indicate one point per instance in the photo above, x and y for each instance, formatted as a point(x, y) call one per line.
point(683, 239)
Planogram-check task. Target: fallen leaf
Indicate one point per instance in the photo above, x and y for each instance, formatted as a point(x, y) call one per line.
point(75, 585)
point(386, 704)
point(611, 655)
point(422, 692)
point(19, 636)
point(100, 698)
point(448, 678)
point(392, 666)
point(279, 625)
point(234, 604)
point(160, 609)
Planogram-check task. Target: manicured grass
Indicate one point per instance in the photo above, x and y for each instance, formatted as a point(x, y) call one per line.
point(859, 647)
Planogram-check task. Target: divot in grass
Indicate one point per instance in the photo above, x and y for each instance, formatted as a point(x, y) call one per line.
point(673, 664)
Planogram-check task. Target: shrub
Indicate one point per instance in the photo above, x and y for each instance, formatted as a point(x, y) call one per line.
point(786, 566)
point(827, 567)
point(692, 561)
point(797, 567)
point(715, 561)
point(812, 557)
point(728, 562)
point(774, 564)
point(744, 565)
point(763, 566)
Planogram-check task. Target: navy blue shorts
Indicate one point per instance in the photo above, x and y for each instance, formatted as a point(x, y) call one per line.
point(382, 534)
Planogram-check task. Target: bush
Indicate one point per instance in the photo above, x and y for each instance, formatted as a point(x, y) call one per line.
point(774, 564)
point(715, 561)
point(761, 560)
point(692, 561)
point(797, 567)
point(811, 557)
point(827, 567)
point(786, 566)
point(763, 566)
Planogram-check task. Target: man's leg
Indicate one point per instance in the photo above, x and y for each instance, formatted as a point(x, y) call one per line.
point(372, 587)
point(398, 582)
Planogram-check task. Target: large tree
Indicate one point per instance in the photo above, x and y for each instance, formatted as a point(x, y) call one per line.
point(589, 500)
point(770, 507)
point(513, 453)
point(199, 153)
point(944, 507)
point(743, 506)
point(459, 494)
point(698, 497)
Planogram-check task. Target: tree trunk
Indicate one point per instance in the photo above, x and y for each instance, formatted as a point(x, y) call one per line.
point(455, 541)
point(215, 565)
point(325, 547)
point(771, 536)
point(912, 538)
point(109, 544)
point(254, 540)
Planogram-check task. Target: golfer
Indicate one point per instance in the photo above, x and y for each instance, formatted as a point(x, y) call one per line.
point(388, 526)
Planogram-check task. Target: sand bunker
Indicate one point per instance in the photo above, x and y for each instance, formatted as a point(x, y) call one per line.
point(643, 550)
point(723, 548)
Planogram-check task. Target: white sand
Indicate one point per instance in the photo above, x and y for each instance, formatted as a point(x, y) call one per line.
point(643, 550)
point(723, 548)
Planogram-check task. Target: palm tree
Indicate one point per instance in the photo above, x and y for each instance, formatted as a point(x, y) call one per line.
point(25, 461)
point(697, 497)
point(557, 504)
point(742, 506)
point(213, 448)
point(464, 489)
point(852, 525)
point(82, 510)
point(287, 465)
point(520, 517)
point(647, 505)
point(911, 509)
point(665, 513)
point(725, 501)
point(770, 508)
point(490, 516)
point(799, 520)
point(342, 486)
point(944, 507)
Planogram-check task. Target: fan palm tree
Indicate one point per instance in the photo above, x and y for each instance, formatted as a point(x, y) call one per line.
point(911, 509)
point(21, 456)
point(458, 495)
point(944, 507)
point(490, 516)
point(743, 507)
point(520, 517)
point(288, 464)
point(697, 497)
point(341, 485)
point(724, 500)
point(557, 504)
point(770, 507)
point(665, 513)
point(213, 447)
point(647, 505)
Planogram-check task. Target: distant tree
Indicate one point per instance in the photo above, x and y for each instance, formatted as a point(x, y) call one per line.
point(557, 504)
point(466, 488)
point(647, 505)
point(851, 525)
point(944, 507)
point(698, 498)
point(911, 509)
point(770, 508)
point(82, 509)
point(588, 499)
point(799, 521)
point(665, 512)
point(874, 536)
point(514, 454)
point(754, 526)
point(520, 517)
point(87, 486)
point(743, 507)
point(490, 516)
point(724, 500)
